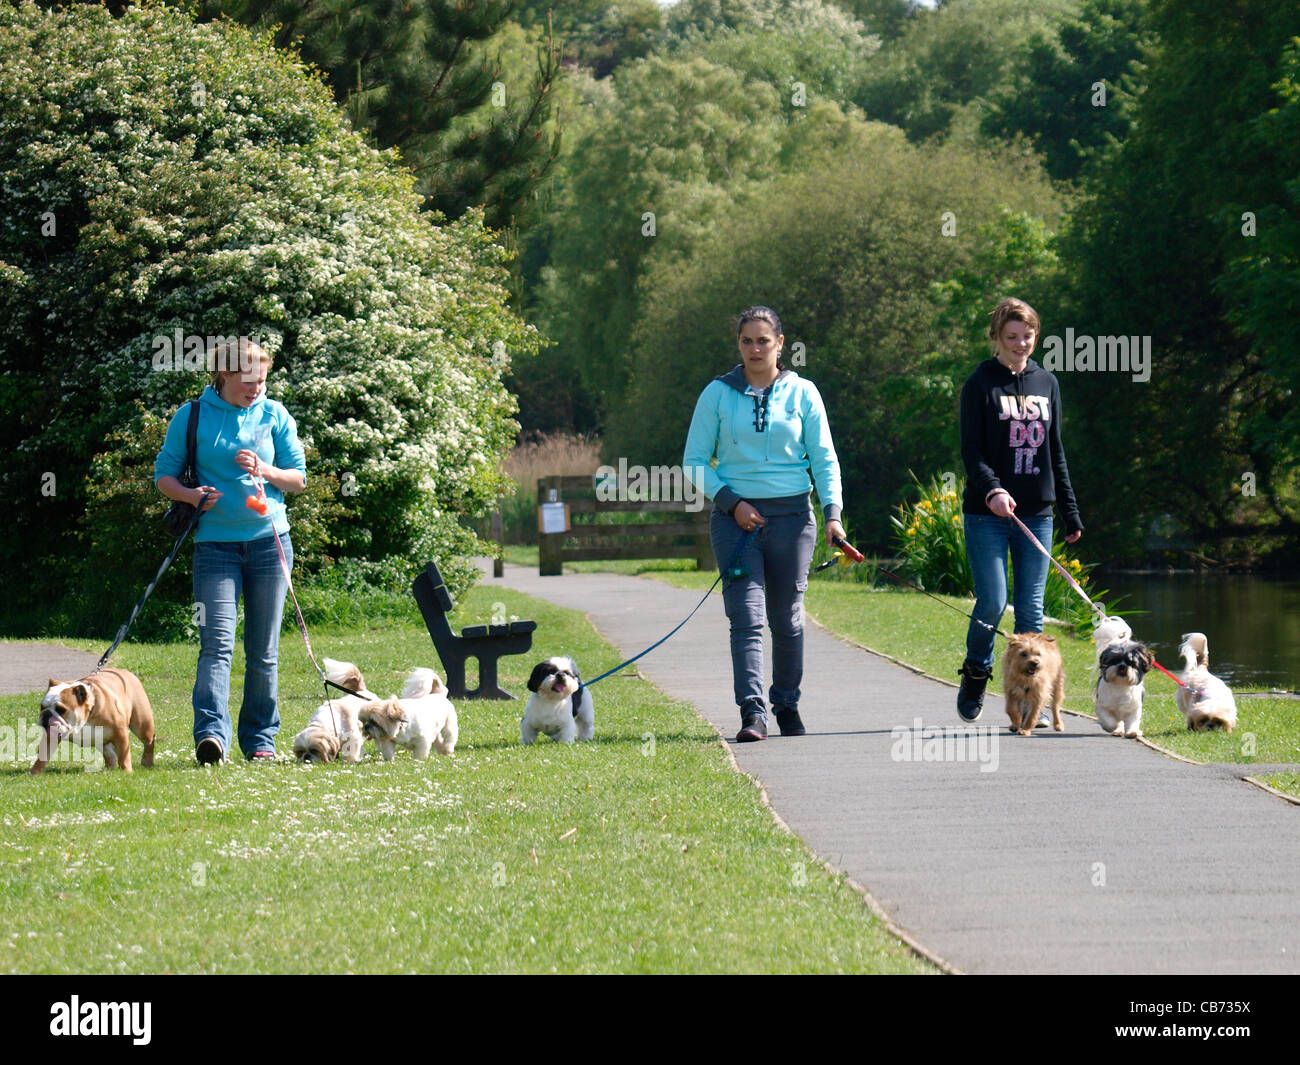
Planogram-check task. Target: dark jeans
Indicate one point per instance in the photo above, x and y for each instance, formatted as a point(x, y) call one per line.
point(776, 557)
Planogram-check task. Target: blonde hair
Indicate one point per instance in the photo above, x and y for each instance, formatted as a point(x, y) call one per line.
point(227, 355)
point(1011, 309)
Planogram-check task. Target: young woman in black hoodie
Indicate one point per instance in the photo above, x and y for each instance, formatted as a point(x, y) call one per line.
point(1015, 461)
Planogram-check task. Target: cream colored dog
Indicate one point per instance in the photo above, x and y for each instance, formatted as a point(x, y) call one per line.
point(1206, 702)
point(97, 711)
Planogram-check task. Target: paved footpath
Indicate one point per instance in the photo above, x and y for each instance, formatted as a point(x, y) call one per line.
point(1078, 853)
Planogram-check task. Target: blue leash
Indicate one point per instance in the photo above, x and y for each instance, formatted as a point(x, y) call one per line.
point(730, 571)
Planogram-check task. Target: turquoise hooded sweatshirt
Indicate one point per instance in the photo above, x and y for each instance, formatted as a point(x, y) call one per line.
point(264, 427)
point(792, 452)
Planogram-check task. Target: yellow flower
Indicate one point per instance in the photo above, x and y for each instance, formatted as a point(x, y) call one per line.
point(924, 505)
point(911, 530)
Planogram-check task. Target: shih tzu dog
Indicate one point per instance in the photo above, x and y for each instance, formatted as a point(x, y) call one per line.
point(334, 730)
point(560, 705)
point(1033, 679)
point(1123, 666)
point(1206, 702)
point(421, 718)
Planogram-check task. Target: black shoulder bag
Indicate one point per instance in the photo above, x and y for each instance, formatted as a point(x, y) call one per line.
point(179, 515)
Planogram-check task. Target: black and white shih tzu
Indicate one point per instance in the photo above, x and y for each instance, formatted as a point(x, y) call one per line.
point(560, 706)
point(1123, 664)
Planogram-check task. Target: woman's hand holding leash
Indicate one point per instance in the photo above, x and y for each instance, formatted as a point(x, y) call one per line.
point(747, 516)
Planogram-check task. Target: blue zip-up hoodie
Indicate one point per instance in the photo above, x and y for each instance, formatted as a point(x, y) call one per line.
point(223, 429)
point(774, 463)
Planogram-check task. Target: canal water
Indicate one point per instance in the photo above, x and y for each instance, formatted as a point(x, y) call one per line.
point(1252, 622)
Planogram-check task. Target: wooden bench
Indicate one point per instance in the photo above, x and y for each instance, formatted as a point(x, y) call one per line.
point(486, 643)
point(586, 540)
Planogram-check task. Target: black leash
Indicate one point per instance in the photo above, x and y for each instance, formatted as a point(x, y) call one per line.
point(909, 584)
point(171, 557)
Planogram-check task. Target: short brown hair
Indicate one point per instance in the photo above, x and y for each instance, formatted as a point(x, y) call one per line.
point(1011, 309)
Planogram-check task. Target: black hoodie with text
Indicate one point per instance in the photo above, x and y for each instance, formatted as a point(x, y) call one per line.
point(1011, 439)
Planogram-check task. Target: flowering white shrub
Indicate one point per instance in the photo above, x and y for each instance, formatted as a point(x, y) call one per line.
point(160, 175)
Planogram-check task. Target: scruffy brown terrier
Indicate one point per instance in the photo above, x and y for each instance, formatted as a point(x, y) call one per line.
point(1032, 678)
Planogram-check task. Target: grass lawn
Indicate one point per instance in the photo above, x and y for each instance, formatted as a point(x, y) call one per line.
point(643, 851)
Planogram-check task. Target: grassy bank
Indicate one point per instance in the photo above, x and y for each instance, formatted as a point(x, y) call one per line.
point(643, 851)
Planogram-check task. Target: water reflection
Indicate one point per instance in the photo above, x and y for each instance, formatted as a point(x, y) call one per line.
point(1252, 622)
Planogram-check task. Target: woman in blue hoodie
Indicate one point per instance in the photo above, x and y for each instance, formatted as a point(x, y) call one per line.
point(767, 428)
point(242, 435)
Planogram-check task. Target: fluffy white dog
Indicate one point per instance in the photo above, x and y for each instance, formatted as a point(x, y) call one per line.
point(334, 730)
point(421, 718)
point(1120, 688)
point(1206, 702)
point(1122, 665)
point(560, 705)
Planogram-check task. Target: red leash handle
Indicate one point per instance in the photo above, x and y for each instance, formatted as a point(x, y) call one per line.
point(853, 553)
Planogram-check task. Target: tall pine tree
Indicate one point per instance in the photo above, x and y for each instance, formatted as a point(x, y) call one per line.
point(421, 76)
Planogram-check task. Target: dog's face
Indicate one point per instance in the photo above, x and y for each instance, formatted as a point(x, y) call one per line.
point(66, 706)
point(317, 746)
point(382, 720)
point(1028, 653)
point(556, 678)
point(1125, 663)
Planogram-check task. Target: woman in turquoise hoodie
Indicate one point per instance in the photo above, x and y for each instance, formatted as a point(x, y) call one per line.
point(242, 436)
point(766, 426)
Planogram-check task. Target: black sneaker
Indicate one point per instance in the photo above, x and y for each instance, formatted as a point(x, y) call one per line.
point(209, 751)
point(752, 728)
point(970, 697)
point(789, 722)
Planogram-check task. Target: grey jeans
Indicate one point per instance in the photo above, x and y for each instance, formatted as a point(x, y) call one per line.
point(776, 558)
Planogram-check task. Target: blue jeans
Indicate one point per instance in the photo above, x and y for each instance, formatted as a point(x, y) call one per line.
point(776, 557)
point(222, 572)
point(988, 539)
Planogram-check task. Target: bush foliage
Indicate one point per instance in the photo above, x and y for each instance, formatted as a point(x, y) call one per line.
point(164, 176)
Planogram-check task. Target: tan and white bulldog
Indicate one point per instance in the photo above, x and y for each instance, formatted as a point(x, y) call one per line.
point(97, 711)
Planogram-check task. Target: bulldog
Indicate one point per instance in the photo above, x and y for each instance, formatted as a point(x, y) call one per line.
point(97, 711)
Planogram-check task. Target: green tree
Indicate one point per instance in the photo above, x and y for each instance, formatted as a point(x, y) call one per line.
point(1070, 92)
point(949, 58)
point(1147, 253)
point(167, 176)
point(427, 78)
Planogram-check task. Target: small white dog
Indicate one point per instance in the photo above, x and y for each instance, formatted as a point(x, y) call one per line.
point(560, 705)
point(1122, 665)
point(1120, 688)
point(1206, 702)
point(334, 730)
point(421, 718)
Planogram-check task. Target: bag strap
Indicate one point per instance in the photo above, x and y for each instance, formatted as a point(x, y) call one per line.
point(191, 440)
